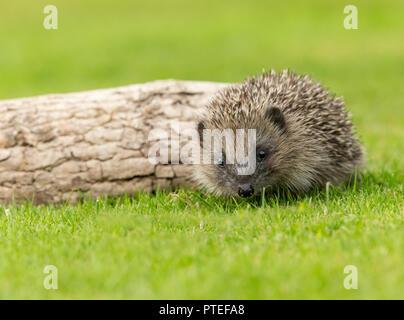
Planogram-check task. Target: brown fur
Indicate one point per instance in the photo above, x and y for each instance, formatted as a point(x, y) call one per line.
point(314, 145)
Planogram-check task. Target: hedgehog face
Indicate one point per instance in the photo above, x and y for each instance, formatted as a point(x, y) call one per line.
point(246, 163)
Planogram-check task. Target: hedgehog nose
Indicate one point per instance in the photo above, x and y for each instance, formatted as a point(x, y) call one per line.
point(245, 190)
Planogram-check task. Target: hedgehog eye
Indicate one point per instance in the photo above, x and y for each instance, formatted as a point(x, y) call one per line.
point(221, 161)
point(261, 155)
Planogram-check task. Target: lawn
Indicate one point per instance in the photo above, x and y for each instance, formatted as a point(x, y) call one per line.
point(185, 244)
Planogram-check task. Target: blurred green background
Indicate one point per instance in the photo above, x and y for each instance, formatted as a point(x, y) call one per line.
point(150, 245)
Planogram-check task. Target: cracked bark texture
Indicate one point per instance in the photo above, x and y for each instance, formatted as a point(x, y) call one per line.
point(55, 148)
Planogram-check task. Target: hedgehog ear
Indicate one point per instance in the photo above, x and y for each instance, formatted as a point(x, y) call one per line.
point(201, 126)
point(275, 115)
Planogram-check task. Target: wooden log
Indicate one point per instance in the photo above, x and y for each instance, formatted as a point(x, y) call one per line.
point(55, 148)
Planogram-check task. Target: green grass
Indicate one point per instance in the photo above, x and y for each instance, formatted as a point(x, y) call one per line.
point(194, 245)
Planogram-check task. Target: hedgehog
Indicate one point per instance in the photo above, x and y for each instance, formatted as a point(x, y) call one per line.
point(304, 137)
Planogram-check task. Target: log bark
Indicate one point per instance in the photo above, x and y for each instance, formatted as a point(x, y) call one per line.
point(55, 148)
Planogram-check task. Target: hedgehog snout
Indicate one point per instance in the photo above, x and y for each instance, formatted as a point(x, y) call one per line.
point(245, 190)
